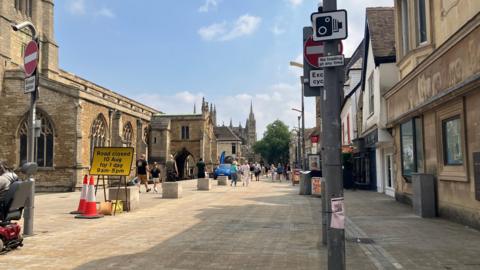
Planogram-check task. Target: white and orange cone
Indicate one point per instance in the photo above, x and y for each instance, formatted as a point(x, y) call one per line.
point(91, 203)
point(83, 197)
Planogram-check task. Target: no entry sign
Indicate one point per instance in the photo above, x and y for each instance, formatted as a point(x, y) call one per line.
point(313, 50)
point(30, 58)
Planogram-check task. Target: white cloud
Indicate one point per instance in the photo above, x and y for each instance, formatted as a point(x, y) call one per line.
point(76, 7)
point(295, 2)
point(209, 4)
point(213, 31)
point(245, 25)
point(276, 30)
point(105, 12)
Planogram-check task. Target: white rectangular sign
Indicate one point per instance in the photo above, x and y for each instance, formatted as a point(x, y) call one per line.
point(330, 25)
point(30, 84)
point(331, 61)
point(316, 78)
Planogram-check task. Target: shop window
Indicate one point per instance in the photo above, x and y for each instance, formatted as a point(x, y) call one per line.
point(452, 138)
point(44, 142)
point(411, 135)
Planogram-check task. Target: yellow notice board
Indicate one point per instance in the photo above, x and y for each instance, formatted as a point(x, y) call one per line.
point(112, 161)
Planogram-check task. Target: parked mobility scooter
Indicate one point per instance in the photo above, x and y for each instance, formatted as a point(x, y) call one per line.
point(11, 208)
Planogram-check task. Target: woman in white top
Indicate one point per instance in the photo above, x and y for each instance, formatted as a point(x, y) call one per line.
point(245, 174)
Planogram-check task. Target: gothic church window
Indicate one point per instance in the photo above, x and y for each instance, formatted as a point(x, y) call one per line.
point(185, 133)
point(44, 142)
point(127, 135)
point(24, 6)
point(98, 133)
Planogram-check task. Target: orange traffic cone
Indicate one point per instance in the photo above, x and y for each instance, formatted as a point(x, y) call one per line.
point(90, 203)
point(83, 197)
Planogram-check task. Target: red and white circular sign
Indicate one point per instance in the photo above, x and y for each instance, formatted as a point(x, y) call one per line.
point(30, 58)
point(315, 49)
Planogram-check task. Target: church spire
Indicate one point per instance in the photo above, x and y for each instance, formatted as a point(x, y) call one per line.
point(231, 125)
point(194, 108)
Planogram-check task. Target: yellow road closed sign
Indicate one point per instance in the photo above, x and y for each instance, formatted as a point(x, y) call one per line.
point(112, 161)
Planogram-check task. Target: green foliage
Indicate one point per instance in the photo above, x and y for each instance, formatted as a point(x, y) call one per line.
point(274, 146)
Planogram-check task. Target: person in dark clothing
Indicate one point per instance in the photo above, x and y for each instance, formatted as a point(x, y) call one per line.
point(155, 172)
point(201, 168)
point(142, 169)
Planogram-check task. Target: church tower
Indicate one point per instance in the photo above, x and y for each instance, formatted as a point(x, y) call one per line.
point(251, 127)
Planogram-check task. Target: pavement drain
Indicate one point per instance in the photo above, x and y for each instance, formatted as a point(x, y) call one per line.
point(360, 240)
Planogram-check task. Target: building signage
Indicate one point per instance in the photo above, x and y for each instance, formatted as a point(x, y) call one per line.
point(316, 186)
point(116, 161)
point(30, 84)
point(316, 78)
point(331, 61)
point(330, 25)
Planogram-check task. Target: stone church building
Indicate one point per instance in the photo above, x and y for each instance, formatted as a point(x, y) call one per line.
point(247, 134)
point(75, 114)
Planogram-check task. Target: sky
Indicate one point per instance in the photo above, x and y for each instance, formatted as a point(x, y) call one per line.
point(168, 54)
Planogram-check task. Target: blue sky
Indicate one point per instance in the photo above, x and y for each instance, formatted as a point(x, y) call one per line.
point(168, 54)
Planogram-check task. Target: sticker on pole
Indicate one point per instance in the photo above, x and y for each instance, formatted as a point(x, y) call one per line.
point(30, 58)
point(115, 161)
point(338, 213)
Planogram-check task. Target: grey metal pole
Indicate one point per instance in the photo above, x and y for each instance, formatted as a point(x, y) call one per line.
point(300, 154)
point(332, 149)
point(323, 185)
point(304, 156)
point(28, 213)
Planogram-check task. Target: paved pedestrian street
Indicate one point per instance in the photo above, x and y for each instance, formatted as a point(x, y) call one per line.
point(265, 226)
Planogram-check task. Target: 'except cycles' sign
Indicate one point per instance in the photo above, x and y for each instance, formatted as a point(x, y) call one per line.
point(115, 161)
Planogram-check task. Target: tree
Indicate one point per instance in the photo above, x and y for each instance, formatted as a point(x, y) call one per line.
point(274, 146)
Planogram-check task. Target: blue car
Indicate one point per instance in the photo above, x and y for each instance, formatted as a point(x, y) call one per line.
point(222, 170)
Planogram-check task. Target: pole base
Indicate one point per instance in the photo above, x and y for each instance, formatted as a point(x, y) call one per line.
point(90, 217)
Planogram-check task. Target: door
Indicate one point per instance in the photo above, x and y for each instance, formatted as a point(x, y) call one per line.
point(389, 176)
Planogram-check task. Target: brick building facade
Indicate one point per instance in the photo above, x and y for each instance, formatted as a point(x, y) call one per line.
point(75, 114)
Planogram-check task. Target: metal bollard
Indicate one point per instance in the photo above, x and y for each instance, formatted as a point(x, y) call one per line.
point(29, 209)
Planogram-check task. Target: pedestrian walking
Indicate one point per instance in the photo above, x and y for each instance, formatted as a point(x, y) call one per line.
point(279, 172)
point(171, 170)
point(201, 168)
point(155, 172)
point(273, 171)
point(245, 174)
point(142, 170)
point(257, 171)
point(233, 173)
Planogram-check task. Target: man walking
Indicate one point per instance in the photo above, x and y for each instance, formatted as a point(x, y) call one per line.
point(142, 169)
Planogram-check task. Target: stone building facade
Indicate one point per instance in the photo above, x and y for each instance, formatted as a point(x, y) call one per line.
point(75, 114)
point(433, 111)
point(187, 137)
point(228, 142)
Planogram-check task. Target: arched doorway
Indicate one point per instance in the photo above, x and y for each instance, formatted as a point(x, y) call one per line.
point(185, 163)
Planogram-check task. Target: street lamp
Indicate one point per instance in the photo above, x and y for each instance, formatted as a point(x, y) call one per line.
point(304, 160)
point(30, 203)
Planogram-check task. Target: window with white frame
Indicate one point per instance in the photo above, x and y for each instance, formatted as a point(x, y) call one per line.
point(404, 24)
point(371, 95)
point(421, 22)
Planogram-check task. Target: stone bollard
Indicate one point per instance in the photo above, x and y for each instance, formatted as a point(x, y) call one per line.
point(204, 184)
point(171, 190)
point(222, 180)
